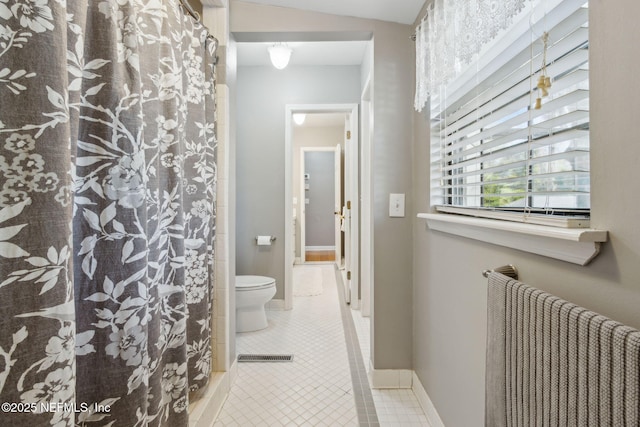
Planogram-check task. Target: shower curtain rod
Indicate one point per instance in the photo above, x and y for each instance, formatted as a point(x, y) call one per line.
point(195, 15)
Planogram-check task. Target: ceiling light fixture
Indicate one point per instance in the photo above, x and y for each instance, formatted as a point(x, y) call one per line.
point(299, 118)
point(280, 54)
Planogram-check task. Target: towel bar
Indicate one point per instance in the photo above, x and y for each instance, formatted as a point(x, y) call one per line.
point(507, 270)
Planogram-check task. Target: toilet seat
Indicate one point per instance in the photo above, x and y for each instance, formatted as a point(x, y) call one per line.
point(251, 283)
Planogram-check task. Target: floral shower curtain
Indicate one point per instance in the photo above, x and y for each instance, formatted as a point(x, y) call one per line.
point(107, 211)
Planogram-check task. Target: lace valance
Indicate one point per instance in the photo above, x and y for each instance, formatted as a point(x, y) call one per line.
point(452, 34)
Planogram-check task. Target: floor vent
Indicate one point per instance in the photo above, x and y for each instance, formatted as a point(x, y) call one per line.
point(265, 358)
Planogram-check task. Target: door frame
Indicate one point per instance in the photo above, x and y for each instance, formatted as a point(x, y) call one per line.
point(302, 205)
point(352, 200)
point(289, 244)
point(337, 208)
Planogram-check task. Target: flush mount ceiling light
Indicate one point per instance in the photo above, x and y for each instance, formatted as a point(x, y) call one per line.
point(280, 54)
point(299, 118)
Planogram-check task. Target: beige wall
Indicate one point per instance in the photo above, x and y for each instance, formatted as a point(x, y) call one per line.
point(393, 72)
point(449, 292)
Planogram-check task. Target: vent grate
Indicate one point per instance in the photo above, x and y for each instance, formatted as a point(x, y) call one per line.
point(265, 358)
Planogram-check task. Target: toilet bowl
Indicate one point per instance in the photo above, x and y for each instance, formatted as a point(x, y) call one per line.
point(252, 293)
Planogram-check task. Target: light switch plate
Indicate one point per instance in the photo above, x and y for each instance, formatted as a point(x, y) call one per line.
point(396, 205)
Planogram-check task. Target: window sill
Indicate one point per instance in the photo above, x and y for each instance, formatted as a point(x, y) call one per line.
point(574, 245)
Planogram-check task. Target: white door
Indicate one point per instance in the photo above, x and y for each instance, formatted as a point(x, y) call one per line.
point(346, 210)
point(303, 206)
point(338, 205)
point(353, 209)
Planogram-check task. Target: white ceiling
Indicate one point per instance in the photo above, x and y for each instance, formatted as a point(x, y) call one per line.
point(402, 11)
point(306, 53)
point(331, 53)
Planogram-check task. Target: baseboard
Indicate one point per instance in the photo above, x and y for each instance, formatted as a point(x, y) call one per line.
point(390, 378)
point(276, 305)
point(204, 411)
point(320, 248)
point(427, 405)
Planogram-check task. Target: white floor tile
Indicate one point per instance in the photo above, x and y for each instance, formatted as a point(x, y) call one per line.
point(318, 380)
point(395, 407)
point(315, 389)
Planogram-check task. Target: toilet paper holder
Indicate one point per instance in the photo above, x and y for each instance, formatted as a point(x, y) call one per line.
point(273, 239)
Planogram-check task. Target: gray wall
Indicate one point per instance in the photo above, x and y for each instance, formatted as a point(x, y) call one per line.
point(449, 292)
point(262, 93)
point(319, 218)
point(393, 71)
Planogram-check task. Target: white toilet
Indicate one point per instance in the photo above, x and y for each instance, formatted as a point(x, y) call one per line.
point(252, 293)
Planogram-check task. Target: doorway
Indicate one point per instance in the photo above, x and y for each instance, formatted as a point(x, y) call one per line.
point(295, 201)
point(320, 193)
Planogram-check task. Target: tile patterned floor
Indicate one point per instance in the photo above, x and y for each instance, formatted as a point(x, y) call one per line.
point(316, 389)
point(397, 407)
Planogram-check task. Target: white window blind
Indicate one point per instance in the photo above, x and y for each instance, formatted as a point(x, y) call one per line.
point(491, 149)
